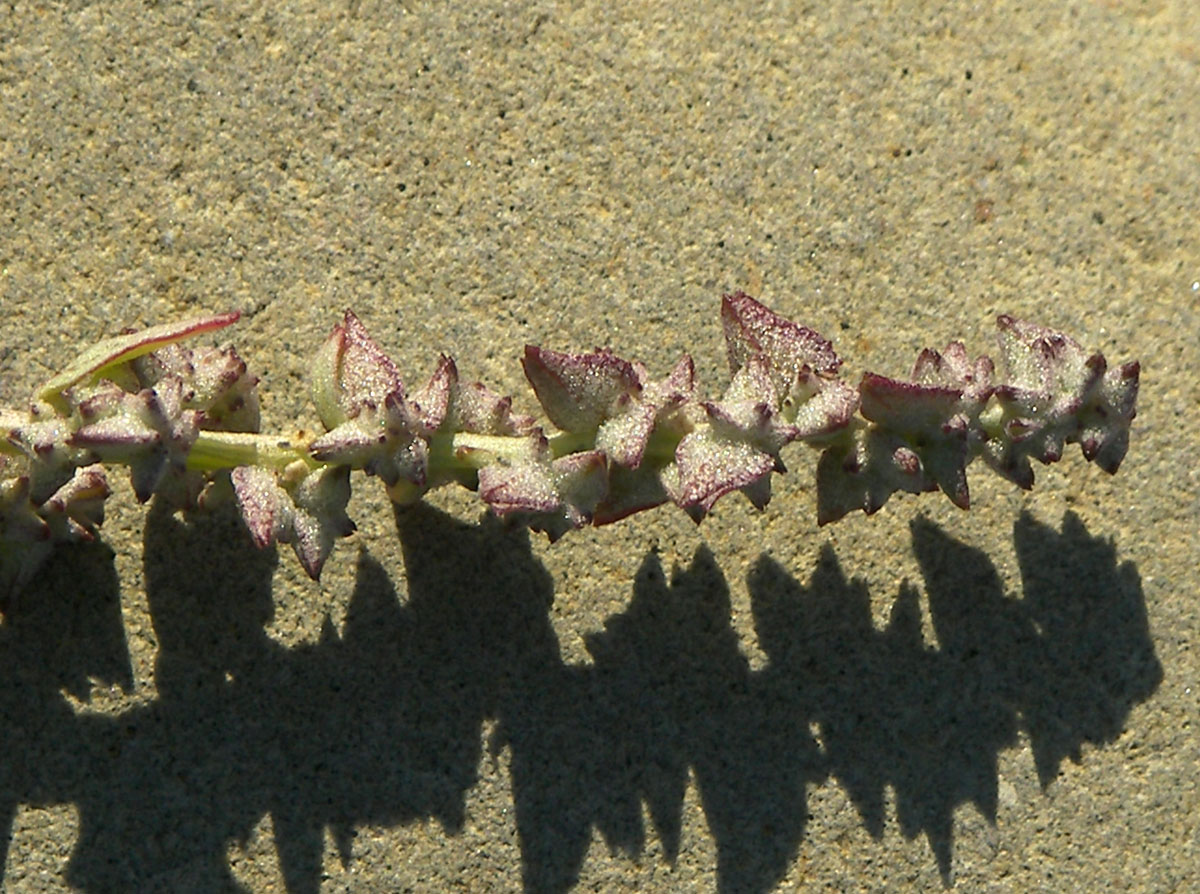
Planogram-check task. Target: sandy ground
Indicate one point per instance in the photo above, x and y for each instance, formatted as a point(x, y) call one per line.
point(1000, 700)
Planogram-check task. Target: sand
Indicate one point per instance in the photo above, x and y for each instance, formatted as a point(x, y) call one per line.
point(997, 700)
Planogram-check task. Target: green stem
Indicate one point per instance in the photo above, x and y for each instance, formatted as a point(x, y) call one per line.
point(455, 455)
point(215, 450)
point(660, 449)
point(566, 442)
point(991, 420)
point(468, 451)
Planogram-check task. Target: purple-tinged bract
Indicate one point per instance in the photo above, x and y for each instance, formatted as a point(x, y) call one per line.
point(579, 391)
point(352, 373)
point(306, 509)
point(752, 328)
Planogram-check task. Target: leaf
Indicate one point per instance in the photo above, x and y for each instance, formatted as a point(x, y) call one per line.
point(630, 490)
point(1106, 416)
point(748, 411)
point(149, 431)
point(429, 405)
point(215, 382)
point(76, 509)
point(446, 403)
point(379, 440)
point(919, 441)
point(19, 522)
point(525, 487)
point(477, 409)
point(865, 473)
point(1040, 359)
point(92, 363)
point(320, 516)
point(908, 406)
point(553, 497)
point(953, 369)
point(265, 506)
point(818, 406)
point(1058, 394)
point(800, 364)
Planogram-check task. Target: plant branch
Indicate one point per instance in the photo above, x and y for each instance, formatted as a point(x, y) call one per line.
point(185, 422)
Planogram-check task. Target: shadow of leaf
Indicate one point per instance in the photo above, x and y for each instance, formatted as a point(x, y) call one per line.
point(891, 711)
point(1099, 661)
point(744, 735)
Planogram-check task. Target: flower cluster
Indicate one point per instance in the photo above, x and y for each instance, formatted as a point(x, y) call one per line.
point(186, 423)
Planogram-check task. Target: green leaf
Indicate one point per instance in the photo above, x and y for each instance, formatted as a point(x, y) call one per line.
point(92, 363)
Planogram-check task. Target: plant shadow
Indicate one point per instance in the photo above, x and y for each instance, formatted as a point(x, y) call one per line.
point(60, 634)
point(1065, 664)
point(383, 722)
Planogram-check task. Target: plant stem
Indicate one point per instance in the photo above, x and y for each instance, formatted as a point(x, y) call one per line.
point(465, 451)
point(215, 450)
point(455, 453)
point(571, 442)
point(991, 420)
